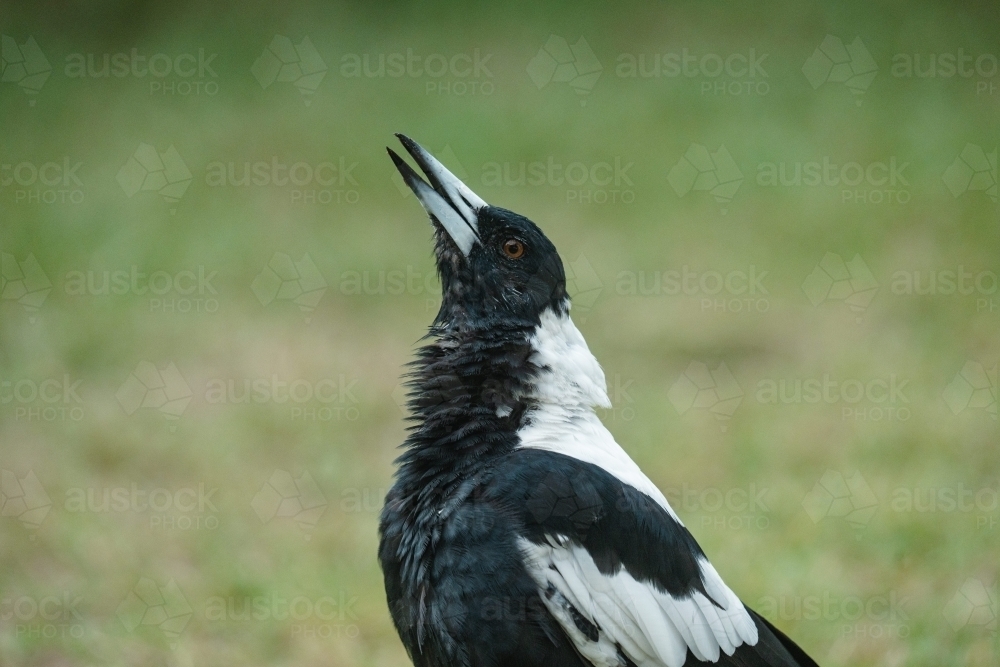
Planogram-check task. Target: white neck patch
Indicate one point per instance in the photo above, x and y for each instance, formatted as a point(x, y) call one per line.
point(565, 394)
point(573, 378)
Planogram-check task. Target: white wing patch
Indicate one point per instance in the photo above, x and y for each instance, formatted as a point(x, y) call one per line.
point(565, 395)
point(651, 627)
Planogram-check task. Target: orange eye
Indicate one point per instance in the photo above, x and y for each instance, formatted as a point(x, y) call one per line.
point(513, 248)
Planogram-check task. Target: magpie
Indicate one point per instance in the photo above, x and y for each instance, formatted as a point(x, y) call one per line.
point(517, 531)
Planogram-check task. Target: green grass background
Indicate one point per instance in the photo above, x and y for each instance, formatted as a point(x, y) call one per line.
point(773, 553)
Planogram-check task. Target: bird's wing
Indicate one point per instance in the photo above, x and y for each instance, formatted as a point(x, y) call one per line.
point(623, 576)
point(605, 612)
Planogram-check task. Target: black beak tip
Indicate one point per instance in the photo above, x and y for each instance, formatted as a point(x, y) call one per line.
point(396, 160)
point(410, 177)
point(412, 147)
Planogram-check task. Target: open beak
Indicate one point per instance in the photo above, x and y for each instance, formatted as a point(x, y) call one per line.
point(446, 199)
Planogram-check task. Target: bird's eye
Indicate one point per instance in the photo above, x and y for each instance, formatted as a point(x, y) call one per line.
point(513, 248)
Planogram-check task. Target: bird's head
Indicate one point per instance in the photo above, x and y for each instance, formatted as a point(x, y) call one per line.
point(495, 265)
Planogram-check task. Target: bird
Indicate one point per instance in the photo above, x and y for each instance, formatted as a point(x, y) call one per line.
point(517, 532)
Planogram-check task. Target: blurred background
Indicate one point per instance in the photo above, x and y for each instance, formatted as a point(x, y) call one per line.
point(780, 226)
